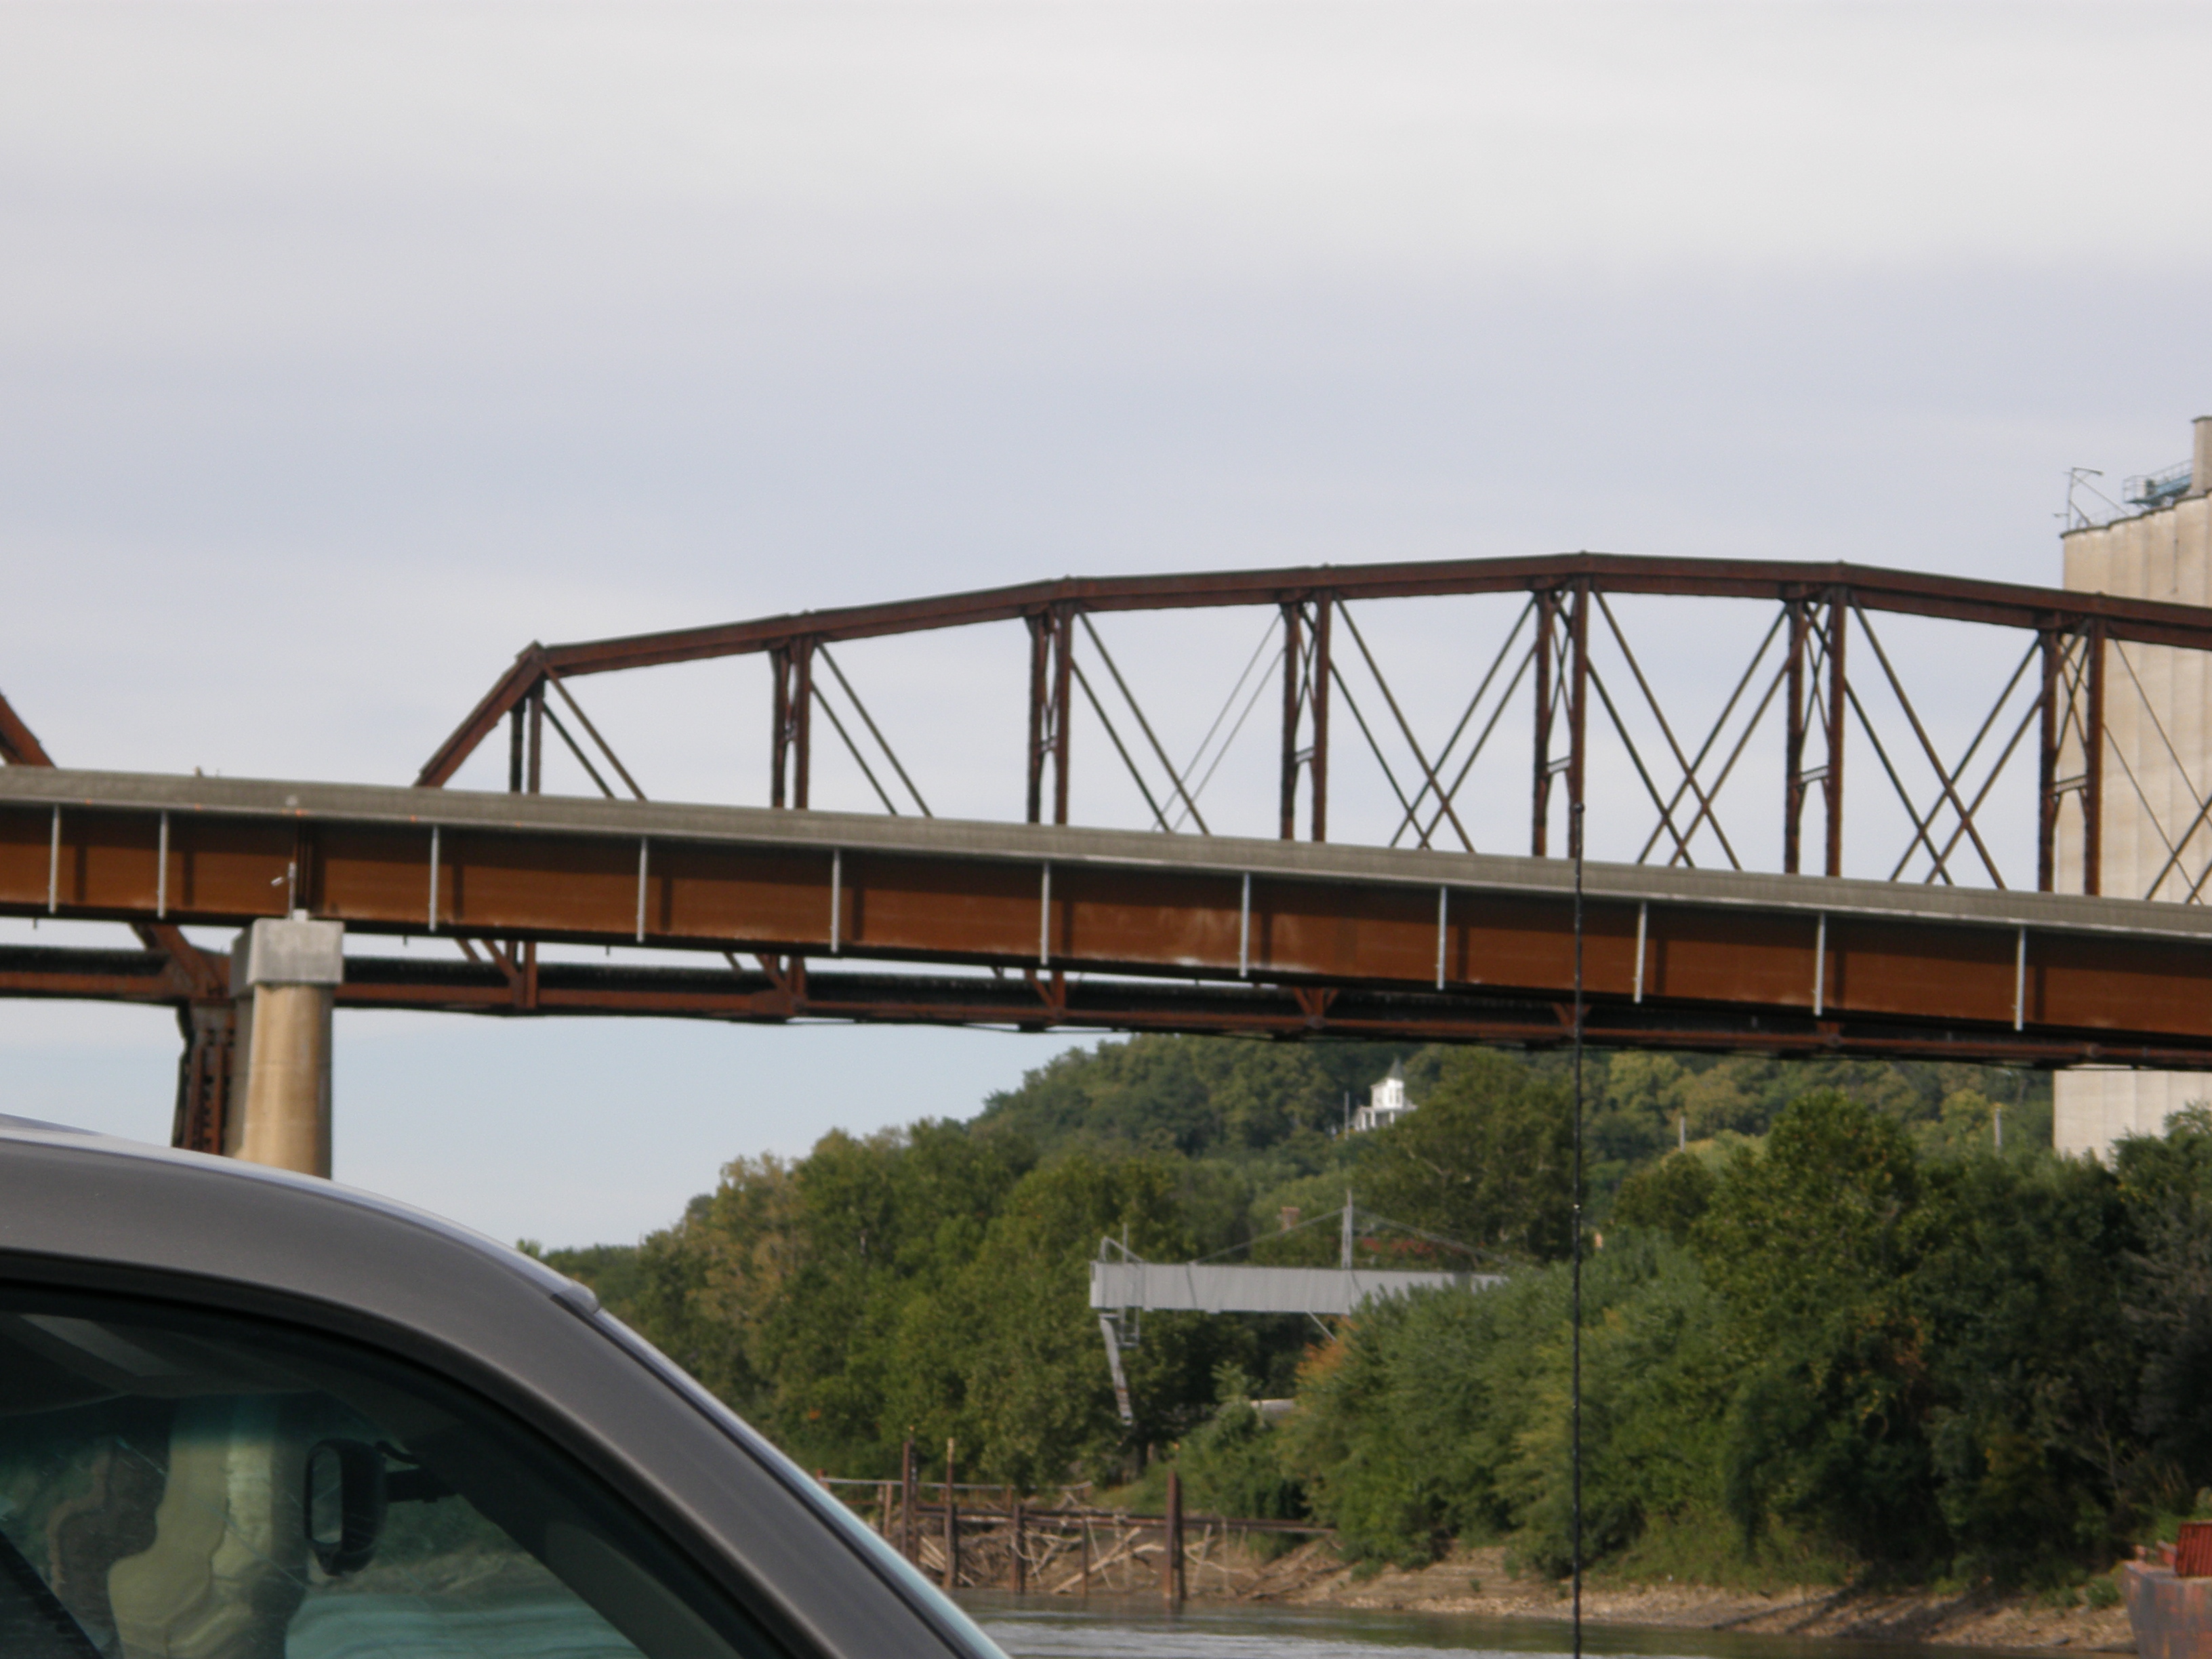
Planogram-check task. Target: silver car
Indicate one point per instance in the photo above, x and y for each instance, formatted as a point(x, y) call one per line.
point(252, 1415)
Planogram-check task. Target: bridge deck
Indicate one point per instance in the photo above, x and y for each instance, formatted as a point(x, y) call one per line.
point(1091, 927)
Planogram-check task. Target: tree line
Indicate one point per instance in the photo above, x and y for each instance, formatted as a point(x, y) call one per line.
point(1845, 1331)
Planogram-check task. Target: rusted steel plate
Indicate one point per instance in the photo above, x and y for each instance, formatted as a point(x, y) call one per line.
point(1168, 921)
point(2101, 984)
point(946, 907)
point(708, 894)
point(1508, 940)
point(1897, 968)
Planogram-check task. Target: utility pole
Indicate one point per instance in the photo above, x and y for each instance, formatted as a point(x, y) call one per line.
point(1345, 1253)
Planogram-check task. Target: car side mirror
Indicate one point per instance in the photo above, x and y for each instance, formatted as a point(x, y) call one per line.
point(345, 1504)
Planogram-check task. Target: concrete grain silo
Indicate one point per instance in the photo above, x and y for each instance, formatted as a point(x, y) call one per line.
point(2155, 780)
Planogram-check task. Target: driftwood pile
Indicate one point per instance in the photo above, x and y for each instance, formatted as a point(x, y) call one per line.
point(988, 1538)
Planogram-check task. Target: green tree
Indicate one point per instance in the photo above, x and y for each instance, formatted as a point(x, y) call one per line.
point(882, 1220)
point(2021, 1269)
point(1670, 1196)
point(1810, 1242)
point(1196, 1096)
point(1486, 1159)
point(1446, 1413)
point(2167, 1183)
point(1034, 1392)
point(1232, 1462)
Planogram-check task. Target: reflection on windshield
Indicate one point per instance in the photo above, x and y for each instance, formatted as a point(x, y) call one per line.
point(191, 1489)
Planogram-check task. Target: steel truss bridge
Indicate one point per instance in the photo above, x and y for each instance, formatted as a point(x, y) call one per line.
point(796, 913)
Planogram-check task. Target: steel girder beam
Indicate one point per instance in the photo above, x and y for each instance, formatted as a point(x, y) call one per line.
point(1050, 905)
point(176, 970)
point(186, 963)
point(616, 990)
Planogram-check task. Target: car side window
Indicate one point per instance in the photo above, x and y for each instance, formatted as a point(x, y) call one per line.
point(180, 1484)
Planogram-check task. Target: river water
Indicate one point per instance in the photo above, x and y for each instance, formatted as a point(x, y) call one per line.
point(1140, 1629)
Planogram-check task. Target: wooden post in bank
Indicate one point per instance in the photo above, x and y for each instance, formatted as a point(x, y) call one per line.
point(909, 1495)
point(951, 1525)
point(1171, 1562)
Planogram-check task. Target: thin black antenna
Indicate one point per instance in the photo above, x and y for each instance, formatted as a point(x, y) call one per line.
point(1574, 1433)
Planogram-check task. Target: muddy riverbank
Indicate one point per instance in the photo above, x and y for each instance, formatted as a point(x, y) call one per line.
point(1475, 1581)
point(1119, 1559)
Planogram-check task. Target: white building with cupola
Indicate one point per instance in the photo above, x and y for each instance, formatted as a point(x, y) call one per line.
point(1386, 1102)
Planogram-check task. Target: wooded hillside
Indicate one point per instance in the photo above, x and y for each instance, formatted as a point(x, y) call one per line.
point(1843, 1332)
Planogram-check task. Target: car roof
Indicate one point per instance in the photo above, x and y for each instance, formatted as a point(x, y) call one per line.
point(99, 1212)
point(278, 1219)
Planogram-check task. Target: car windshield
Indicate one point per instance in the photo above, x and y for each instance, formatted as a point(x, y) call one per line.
point(176, 1485)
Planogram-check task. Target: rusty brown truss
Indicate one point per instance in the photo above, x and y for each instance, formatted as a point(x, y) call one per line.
point(852, 917)
point(1828, 668)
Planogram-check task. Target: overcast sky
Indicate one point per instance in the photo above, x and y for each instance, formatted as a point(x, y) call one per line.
point(348, 348)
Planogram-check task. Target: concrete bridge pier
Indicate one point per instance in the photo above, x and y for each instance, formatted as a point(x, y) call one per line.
point(285, 973)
